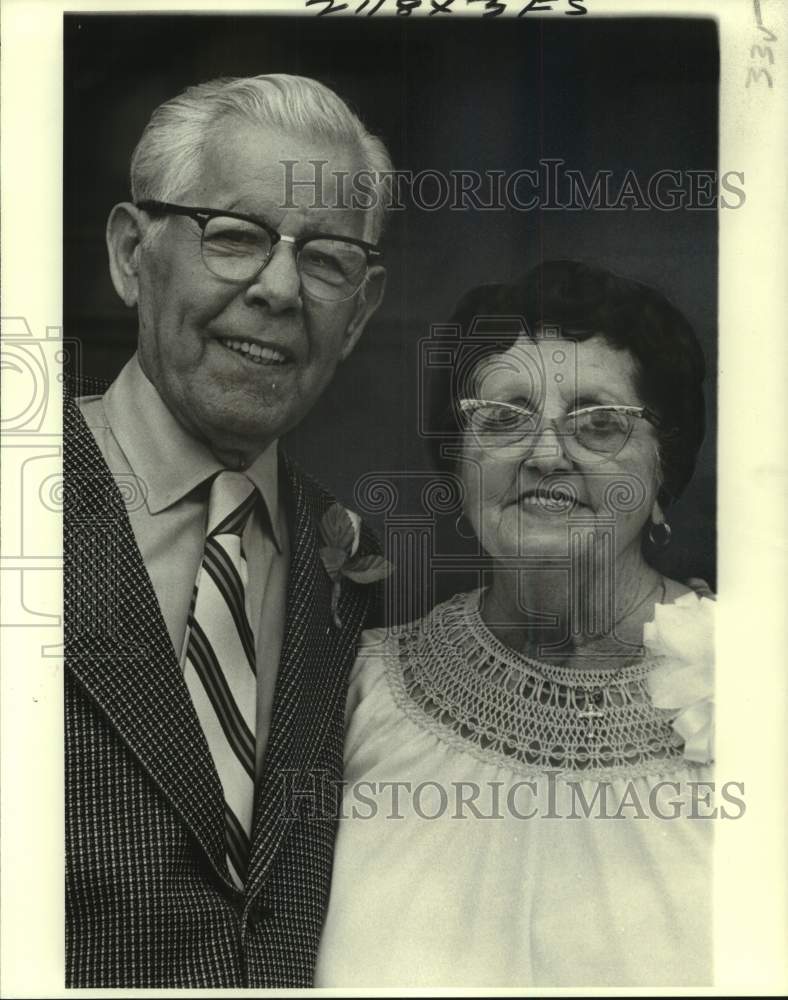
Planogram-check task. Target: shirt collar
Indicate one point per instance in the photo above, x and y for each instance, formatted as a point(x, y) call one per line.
point(168, 460)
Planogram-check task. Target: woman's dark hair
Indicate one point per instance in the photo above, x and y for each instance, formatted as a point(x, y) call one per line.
point(582, 301)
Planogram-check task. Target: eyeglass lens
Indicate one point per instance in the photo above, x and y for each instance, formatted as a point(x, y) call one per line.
point(237, 250)
point(602, 431)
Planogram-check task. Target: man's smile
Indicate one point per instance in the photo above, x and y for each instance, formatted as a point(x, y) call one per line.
point(254, 352)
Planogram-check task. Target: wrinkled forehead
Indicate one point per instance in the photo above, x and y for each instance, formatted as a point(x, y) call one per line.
point(546, 362)
point(252, 165)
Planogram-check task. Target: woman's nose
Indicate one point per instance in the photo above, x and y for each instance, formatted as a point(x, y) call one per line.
point(547, 452)
point(279, 283)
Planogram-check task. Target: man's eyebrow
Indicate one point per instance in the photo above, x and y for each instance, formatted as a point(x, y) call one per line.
point(241, 206)
point(252, 215)
point(323, 225)
point(315, 227)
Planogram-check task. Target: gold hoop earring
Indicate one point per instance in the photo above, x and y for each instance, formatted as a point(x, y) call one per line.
point(662, 540)
point(462, 522)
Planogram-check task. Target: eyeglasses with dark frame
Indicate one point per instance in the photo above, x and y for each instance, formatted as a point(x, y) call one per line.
point(236, 247)
point(601, 429)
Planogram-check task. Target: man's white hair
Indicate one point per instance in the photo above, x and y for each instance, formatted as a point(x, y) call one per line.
point(167, 161)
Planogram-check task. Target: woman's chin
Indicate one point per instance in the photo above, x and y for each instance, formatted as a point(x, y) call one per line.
point(552, 540)
point(548, 534)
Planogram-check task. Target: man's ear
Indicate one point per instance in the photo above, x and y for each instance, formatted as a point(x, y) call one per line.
point(124, 238)
point(368, 299)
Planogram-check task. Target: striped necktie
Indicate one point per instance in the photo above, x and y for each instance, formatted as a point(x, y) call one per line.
point(219, 667)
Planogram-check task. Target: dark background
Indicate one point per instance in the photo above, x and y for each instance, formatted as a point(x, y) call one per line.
point(447, 93)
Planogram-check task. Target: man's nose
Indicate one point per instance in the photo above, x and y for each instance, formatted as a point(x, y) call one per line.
point(278, 285)
point(547, 452)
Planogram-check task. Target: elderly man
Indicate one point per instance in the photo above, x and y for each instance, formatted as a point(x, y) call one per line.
point(206, 662)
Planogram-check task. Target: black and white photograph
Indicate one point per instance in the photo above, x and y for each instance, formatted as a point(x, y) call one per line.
point(409, 435)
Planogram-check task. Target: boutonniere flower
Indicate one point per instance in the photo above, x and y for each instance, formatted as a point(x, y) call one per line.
point(682, 637)
point(340, 532)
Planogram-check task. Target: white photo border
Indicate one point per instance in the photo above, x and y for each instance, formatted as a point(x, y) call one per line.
point(750, 857)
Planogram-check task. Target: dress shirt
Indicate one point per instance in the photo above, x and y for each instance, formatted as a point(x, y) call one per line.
point(164, 475)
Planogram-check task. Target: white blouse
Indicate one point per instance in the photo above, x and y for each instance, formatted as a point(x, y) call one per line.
point(509, 823)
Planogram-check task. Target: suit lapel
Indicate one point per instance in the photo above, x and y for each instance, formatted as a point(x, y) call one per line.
point(118, 647)
point(312, 678)
point(125, 662)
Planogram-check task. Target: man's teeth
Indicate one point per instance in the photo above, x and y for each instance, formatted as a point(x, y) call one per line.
point(256, 353)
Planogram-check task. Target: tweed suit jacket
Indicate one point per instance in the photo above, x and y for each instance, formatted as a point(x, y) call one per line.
point(149, 898)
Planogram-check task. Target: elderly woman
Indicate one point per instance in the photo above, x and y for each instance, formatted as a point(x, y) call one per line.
point(525, 800)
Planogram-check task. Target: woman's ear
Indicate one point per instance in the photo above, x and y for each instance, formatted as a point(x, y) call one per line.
point(124, 239)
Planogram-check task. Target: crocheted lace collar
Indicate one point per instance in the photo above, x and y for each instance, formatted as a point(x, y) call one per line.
point(452, 676)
